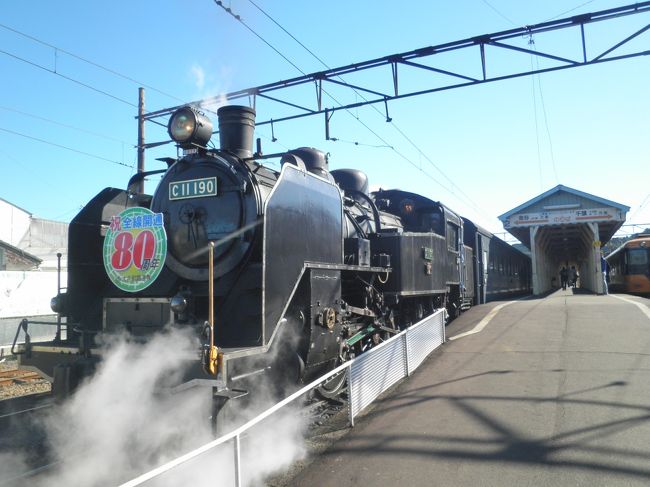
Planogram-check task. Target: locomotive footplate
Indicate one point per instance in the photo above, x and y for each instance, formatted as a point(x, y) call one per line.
point(346, 267)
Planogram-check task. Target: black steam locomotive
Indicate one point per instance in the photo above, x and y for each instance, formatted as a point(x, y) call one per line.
point(284, 273)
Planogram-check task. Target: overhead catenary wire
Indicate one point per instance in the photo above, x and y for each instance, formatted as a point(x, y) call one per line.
point(642, 205)
point(60, 124)
point(539, 150)
point(570, 10)
point(28, 168)
point(241, 21)
point(385, 143)
point(548, 131)
point(531, 42)
point(73, 80)
point(56, 73)
point(66, 148)
point(227, 9)
point(498, 12)
point(462, 44)
point(35, 176)
point(88, 61)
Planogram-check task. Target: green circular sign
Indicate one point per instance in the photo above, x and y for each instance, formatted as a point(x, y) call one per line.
point(135, 247)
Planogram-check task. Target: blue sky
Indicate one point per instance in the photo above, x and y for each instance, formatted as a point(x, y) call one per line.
point(501, 143)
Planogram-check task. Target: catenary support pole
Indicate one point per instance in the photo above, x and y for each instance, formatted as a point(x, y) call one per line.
point(141, 137)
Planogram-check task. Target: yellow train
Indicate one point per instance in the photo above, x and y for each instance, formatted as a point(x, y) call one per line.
point(629, 266)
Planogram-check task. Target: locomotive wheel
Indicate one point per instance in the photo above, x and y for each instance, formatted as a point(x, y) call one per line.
point(334, 386)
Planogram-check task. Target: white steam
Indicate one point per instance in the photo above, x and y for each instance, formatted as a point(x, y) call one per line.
point(199, 76)
point(120, 424)
point(207, 85)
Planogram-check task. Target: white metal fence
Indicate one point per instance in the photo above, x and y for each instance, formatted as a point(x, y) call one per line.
point(375, 371)
point(369, 375)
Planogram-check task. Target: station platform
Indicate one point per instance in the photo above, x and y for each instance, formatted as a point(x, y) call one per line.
point(551, 391)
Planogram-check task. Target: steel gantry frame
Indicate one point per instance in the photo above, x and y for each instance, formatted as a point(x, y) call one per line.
point(414, 58)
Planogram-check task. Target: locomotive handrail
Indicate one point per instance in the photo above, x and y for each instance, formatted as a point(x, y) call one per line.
point(140, 176)
point(23, 324)
point(373, 207)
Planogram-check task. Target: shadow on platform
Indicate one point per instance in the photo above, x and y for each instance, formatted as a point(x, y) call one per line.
point(505, 442)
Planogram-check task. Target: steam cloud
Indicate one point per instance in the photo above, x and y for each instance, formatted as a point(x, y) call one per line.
point(119, 424)
point(208, 86)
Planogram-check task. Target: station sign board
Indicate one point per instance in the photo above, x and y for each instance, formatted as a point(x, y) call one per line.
point(563, 217)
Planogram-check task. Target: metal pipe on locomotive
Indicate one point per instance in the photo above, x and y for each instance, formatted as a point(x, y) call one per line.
point(308, 268)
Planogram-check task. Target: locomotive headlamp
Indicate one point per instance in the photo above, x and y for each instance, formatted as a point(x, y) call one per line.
point(188, 127)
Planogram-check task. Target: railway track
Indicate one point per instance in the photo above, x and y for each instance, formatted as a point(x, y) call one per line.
point(9, 377)
point(16, 406)
point(23, 435)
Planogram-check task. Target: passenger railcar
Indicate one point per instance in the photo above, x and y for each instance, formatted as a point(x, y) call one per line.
point(500, 270)
point(509, 271)
point(629, 266)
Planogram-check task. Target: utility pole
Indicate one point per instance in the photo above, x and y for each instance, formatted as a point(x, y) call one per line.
point(141, 137)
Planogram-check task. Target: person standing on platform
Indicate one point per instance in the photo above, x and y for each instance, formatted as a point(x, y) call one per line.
point(604, 267)
point(574, 276)
point(564, 276)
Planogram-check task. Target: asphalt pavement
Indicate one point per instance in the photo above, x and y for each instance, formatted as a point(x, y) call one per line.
point(552, 391)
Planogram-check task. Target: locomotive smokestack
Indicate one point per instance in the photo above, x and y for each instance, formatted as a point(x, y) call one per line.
point(236, 129)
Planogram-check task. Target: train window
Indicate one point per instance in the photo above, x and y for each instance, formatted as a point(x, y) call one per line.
point(637, 261)
point(452, 237)
point(637, 257)
point(433, 221)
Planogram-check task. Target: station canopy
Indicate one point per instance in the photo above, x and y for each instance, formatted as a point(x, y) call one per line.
point(565, 227)
point(564, 211)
